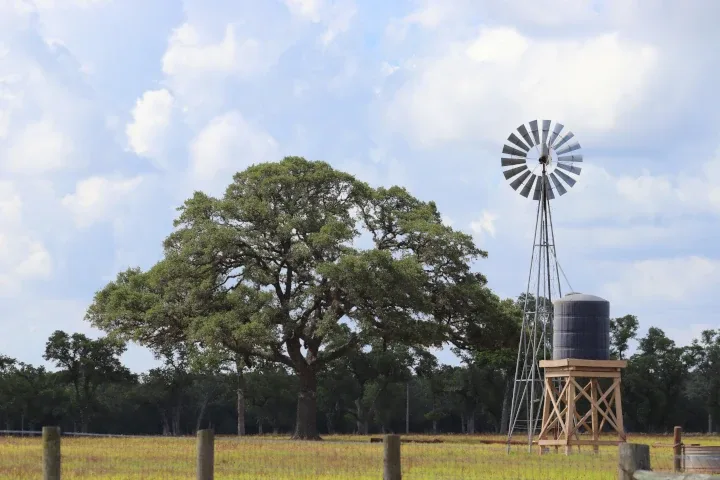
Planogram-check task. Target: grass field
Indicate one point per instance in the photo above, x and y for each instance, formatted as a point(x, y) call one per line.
point(338, 457)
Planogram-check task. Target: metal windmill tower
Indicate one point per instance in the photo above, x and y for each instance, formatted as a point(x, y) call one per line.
point(541, 160)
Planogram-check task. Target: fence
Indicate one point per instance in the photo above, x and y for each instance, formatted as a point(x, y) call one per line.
point(210, 457)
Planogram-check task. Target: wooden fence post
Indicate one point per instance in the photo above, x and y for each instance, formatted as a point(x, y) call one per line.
point(632, 457)
point(205, 455)
point(391, 458)
point(51, 453)
point(677, 449)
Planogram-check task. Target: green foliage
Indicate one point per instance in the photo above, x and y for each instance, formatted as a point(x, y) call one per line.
point(622, 330)
point(86, 364)
point(272, 271)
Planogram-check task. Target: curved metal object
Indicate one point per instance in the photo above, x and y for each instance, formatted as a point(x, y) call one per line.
point(581, 327)
point(701, 459)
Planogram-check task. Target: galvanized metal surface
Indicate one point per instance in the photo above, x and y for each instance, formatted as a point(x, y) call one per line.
point(701, 459)
point(581, 327)
point(538, 145)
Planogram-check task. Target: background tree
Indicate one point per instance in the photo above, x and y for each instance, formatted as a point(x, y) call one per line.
point(655, 382)
point(86, 364)
point(622, 330)
point(704, 356)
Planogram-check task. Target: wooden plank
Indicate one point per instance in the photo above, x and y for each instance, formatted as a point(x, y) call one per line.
point(582, 373)
point(572, 442)
point(578, 362)
point(570, 419)
point(594, 420)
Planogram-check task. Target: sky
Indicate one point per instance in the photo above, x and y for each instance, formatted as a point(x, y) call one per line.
point(112, 112)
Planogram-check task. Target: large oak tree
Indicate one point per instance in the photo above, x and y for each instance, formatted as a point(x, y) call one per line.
point(294, 252)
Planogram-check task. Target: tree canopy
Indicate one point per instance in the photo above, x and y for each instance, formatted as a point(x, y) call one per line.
point(296, 253)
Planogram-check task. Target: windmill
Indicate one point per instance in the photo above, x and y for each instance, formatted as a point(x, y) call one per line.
point(542, 160)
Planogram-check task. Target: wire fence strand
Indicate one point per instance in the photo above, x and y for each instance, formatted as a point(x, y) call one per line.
point(126, 457)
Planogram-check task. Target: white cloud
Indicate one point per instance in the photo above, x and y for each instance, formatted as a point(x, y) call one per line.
point(336, 15)
point(680, 279)
point(22, 256)
point(480, 88)
point(191, 54)
point(40, 147)
point(309, 9)
point(484, 225)
point(151, 115)
point(228, 144)
point(96, 198)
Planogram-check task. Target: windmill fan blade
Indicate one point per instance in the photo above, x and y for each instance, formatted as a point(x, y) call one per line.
point(526, 189)
point(538, 188)
point(556, 131)
point(568, 148)
point(513, 151)
point(570, 168)
point(514, 171)
point(558, 186)
point(516, 141)
point(524, 133)
point(568, 179)
point(534, 130)
point(515, 184)
point(545, 130)
point(508, 162)
point(548, 191)
point(564, 140)
point(548, 143)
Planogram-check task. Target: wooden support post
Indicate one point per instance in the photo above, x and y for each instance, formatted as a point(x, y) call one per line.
point(51, 453)
point(594, 413)
point(677, 449)
point(570, 419)
point(205, 455)
point(632, 457)
point(391, 458)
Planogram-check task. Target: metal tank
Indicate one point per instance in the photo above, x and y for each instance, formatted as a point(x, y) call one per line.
point(581, 327)
point(701, 459)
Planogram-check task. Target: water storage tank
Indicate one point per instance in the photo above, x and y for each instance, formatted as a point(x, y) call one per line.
point(581, 327)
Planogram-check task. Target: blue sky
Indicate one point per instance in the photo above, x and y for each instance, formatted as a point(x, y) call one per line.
point(113, 111)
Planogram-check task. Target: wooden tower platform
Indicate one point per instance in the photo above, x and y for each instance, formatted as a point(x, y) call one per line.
point(566, 416)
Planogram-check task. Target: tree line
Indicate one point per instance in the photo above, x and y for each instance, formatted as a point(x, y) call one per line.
point(305, 301)
point(373, 389)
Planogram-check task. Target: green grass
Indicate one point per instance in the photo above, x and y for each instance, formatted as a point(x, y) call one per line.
point(338, 457)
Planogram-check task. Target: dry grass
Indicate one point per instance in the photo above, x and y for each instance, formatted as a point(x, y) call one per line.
point(338, 457)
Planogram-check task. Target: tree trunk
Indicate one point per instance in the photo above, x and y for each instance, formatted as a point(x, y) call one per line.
point(201, 414)
point(176, 421)
point(463, 423)
point(362, 421)
point(260, 427)
point(165, 424)
point(330, 421)
point(306, 417)
point(434, 427)
point(505, 415)
point(83, 420)
point(240, 407)
point(710, 423)
point(471, 424)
